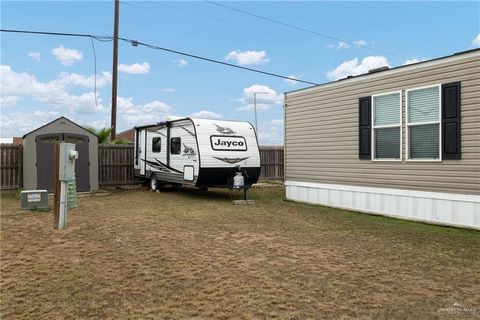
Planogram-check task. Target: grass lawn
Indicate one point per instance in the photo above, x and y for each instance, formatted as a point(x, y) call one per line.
point(192, 254)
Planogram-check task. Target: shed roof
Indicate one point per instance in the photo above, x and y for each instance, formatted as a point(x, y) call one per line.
point(51, 122)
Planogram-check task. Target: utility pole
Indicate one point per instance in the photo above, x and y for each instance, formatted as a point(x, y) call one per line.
point(114, 73)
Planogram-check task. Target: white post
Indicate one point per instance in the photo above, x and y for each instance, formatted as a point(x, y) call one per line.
point(62, 221)
point(255, 107)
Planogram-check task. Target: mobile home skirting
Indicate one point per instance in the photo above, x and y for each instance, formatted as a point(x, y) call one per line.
point(432, 207)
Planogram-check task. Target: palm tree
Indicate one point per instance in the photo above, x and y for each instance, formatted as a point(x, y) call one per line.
point(104, 135)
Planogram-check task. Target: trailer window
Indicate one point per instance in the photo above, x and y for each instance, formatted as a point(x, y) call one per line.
point(175, 145)
point(156, 144)
point(423, 123)
point(386, 129)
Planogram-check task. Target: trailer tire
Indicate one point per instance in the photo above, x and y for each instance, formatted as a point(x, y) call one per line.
point(153, 183)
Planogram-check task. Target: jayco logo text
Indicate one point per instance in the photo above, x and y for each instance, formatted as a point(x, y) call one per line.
point(228, 143)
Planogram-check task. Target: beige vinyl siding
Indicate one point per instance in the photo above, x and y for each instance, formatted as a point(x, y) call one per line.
point(321, 133)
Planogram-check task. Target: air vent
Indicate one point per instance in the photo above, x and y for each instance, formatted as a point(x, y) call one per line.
point(347, 77)
point(379, 69)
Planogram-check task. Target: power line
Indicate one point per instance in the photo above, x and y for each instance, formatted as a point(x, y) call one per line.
point(151, 46)
point(292, 26)
point(211, 18)
point(138, 43)
point(84, 35)
point(95, 70)
point(81, 35)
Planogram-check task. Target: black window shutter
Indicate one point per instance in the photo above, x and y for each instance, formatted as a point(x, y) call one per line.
point(451, 135)
point(364, 127)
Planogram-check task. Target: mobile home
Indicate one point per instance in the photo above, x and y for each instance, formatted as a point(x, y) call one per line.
point(402, 142)
point(198, 152)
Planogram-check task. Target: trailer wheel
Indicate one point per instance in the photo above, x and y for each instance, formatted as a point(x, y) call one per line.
point(153, 183)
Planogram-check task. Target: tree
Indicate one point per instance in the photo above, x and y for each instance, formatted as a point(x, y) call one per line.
point(104, 135)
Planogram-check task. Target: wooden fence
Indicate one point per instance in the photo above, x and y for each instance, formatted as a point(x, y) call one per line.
point(271, 163)
point(11, 163)
point(115, 165)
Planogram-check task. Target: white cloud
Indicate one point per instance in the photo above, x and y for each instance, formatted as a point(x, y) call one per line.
point(205, 114)
point(353, 67)
point(131, 114)
point(169, 90)
point(55, 92)
point(17, 124)
point(277, 122)
point(270, 134)
point(9, 101)
point(247, 57)
point(135, 68)
point(476, 41)
point(81, 80)
point(85, 103)
point(181, 62)
point(291, 81)
point(347, 45)
point(67, 56)
point(360, 43)
point(414, 60)
point(99, 124)
point(35, 56)
point(265, 99)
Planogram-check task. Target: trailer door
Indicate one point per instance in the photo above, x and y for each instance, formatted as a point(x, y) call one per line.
point(143, 151)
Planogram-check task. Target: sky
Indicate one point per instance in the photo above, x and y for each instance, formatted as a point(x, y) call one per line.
point(45, 77)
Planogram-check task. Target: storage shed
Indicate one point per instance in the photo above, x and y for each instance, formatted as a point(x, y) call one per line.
point(38, 155)
point(401, 142)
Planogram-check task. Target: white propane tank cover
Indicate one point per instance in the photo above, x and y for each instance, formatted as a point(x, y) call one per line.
point(73, 155)
point(238, 180)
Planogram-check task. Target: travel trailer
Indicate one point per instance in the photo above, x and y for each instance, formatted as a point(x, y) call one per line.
point(197, 152)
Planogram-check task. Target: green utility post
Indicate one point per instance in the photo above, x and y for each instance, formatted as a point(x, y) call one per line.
point(72, 193)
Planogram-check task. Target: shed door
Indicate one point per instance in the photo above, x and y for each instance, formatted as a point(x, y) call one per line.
point(82, 164)
point(45, 160)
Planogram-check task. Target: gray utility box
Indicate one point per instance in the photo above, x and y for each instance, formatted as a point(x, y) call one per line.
point(34, 199)
point(68, 155)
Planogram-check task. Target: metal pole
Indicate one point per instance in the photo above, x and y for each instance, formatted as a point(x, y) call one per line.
point(62, 219)
point(114, 73)
point(56, 175)
point(255, 106)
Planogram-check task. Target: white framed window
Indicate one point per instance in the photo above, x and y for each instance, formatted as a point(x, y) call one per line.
point(387, 126)
point(423, 118)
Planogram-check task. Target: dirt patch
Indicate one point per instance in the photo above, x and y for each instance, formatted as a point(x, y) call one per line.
point(193, 254)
